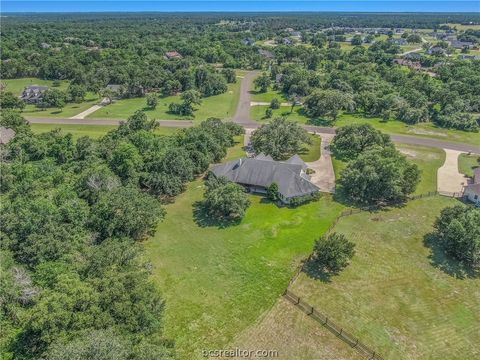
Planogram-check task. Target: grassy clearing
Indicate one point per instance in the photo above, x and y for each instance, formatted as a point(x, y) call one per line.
point(16, 86)
point(465, 27)
point(428, 130)
point(69, 110)
point(222, 106)
point(217, 282)
point(312, 152)
point(392, 295)
point(428, 160)
point(267, 96)
point(468, 163)
point(94, 131)
point(294, 335)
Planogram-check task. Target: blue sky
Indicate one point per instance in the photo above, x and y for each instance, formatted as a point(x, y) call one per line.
point(240, 5)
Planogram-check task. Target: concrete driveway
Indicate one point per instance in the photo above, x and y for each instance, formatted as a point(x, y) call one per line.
point(449, 180)
point(324, 176)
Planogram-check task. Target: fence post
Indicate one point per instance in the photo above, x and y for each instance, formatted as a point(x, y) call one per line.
point(311, 310)
point(326, 320)
point(356, 343)
point(373, 355)
point(341, 330)
point(298, 300)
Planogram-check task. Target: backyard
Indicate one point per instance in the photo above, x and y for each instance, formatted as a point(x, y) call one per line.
point(233, 274)
point(395, 295)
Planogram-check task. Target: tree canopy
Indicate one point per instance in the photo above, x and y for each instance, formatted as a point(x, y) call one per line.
point(280, 139)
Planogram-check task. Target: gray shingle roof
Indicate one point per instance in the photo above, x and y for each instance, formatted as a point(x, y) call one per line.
point(263, 172)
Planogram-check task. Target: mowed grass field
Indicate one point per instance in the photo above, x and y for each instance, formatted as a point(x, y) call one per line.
point(428, 130)
point(94, 131)
point(392, 295)
point(468, 163)
point(218, 281)
point(222, 106)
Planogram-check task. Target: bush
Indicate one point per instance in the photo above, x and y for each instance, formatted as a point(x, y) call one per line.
point(268, 113)
point(275, 103)
point(301, 200)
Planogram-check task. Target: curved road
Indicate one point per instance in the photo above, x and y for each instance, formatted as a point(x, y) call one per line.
point(242, 117)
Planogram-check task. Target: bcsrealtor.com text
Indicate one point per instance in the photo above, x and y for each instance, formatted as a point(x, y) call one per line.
point(240, 353)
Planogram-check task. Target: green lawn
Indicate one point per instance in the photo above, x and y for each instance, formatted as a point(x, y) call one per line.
point(429, 130)
point(69, 110)
point(221, 106)
point(392, 296)
point(16, 86)
point(267, 96)
point(428, 160)
point(94, 131)
point(467, 163)
point(217, 282)
point(312, 152)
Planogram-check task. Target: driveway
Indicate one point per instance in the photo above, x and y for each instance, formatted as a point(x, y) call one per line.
point(449, 180)
point(242, 115)
point(324, 176)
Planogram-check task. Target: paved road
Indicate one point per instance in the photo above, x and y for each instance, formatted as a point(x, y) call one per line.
point(242, 117)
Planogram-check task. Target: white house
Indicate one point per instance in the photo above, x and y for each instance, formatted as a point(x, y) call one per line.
point(472, 191)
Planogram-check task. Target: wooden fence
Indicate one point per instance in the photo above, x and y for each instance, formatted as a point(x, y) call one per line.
point(337, 330)
point(323, 319)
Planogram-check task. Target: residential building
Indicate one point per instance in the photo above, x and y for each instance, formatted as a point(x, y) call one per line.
point(33, 94)
point(173, 55)
point(472, 191)
point(258, 173)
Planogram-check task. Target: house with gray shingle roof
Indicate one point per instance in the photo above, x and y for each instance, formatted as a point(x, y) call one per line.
point(258, 173)
point(33, 94)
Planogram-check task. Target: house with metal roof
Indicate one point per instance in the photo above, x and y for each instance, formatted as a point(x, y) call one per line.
point(258, 173)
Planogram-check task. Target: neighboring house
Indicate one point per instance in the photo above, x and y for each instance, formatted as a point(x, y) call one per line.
point(266, 53)
point(258, 173)
point(400, 41)
point(287, 41)
point(411, 64)
point(472, 191)
point(248, 42)
point(6, 134)
point(461, 44)
point(413, 56)
point(436, 50)
point(173, 55)
point(469, 57)
point(33, 94)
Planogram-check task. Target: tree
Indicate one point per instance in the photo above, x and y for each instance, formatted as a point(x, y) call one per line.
point(126, 161)
point(327, 103)
point(152, 101)
point(190, 98)
point(357, 40)
point(272, 191)
point(268, 113)
point(76, 93)
point(379, 176)
point(262, 83)
point(53, 98)
point(414, 39)
point(10, 101)
point(280, 138)
point(332, 253)
point(457, 231)
point(230, 75)
point(351, 140)
point(226, 200)
point(275, 103)
point(125, 211)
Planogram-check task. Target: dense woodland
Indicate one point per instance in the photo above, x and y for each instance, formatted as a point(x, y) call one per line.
point(71, 214)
